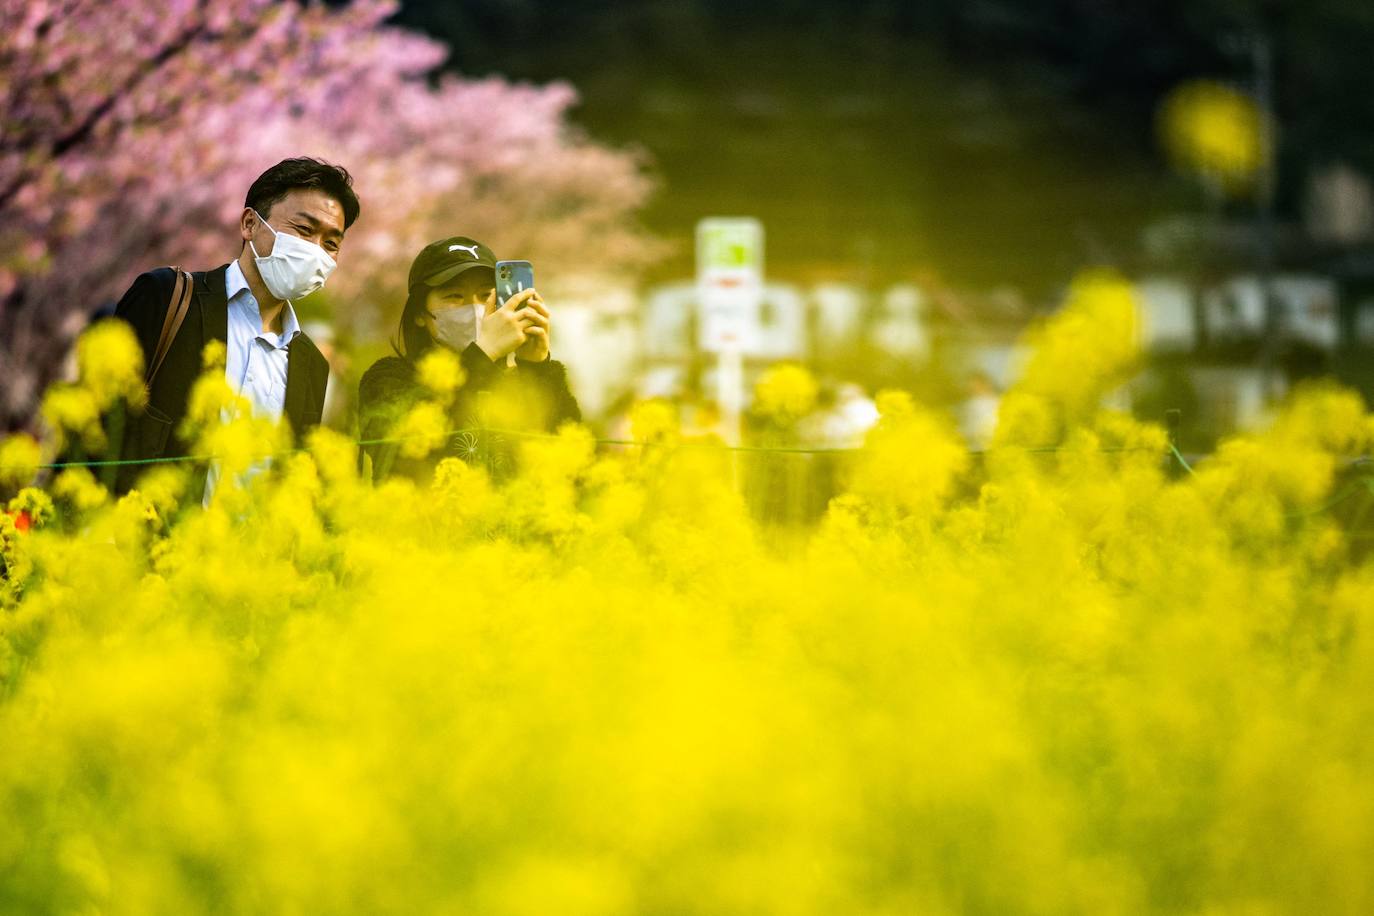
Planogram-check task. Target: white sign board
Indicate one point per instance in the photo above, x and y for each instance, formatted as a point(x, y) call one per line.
point(779, 330)
point(1165, 313)
point(1235, 310)
point(1309, 308)
point(730, 290)
point(729, 281)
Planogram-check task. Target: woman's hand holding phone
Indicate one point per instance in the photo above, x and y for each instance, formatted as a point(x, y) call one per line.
point(535, 315)
point(521, 326)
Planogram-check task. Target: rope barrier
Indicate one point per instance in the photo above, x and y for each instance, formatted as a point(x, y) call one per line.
point(1183, 462)
point(1345, 493)
point(529, 434)
point(123, 462)
point(1355, 486)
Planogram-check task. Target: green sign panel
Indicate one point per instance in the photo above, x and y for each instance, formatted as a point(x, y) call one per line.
point(730, 244)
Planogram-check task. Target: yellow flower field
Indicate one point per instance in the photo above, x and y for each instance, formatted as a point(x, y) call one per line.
point(600, 688)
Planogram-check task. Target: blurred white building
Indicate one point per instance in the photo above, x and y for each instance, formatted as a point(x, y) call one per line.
point(596, 335)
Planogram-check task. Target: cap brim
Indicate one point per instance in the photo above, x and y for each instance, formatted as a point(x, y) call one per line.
point(444, 276)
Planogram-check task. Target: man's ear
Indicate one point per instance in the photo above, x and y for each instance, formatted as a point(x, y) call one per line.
point(248, 223)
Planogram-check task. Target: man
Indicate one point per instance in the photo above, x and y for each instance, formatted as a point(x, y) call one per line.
point(292, 227)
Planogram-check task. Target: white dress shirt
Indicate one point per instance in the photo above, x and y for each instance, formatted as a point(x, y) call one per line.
point(255, 360)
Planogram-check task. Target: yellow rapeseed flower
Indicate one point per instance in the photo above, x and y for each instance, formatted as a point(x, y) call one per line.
point(440, 372)
point(34, 503)
point(785, 393)
point(20, 456)
point(421, 430)
point(73, 413)
point(335, 455)
point(654, 422)
point(1214, 130)
point(79, 487)
point(909, 461)
point(213, 356)
point(1087, 348)
point(110, 363)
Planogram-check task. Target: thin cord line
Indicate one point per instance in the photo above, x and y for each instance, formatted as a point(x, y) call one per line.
point(1181, 460)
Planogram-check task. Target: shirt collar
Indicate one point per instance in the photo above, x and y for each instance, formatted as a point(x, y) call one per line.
point(235, 283)
point(290, 327)
point(234, 280)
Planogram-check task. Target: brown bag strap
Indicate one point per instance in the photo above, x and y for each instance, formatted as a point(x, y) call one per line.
point(176, 314)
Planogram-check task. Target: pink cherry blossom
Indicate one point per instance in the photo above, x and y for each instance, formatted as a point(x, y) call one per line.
point(132, 131)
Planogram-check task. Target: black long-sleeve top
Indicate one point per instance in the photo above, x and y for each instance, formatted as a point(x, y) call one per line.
point(536, 392)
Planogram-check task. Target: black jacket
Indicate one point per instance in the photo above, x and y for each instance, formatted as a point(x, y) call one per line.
point(390, 387)
point(156, 434)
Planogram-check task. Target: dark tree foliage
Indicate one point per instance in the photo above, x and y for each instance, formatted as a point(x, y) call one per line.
point(991, 140)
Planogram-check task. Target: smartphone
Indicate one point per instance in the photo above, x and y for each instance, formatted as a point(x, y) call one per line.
point(512, 277)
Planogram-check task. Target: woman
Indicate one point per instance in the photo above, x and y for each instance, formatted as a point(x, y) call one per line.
point(451, 302)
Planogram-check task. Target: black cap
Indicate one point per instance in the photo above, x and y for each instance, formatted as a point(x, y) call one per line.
point(441, 261)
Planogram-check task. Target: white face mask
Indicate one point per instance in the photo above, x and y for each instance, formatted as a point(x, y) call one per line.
point(455, 328)
point(295, 268)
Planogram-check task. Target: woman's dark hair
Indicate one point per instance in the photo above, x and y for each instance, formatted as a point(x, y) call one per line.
point(412, 339)
point(274, 184)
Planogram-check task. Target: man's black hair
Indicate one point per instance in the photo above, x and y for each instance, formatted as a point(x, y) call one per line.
point(274, 184)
